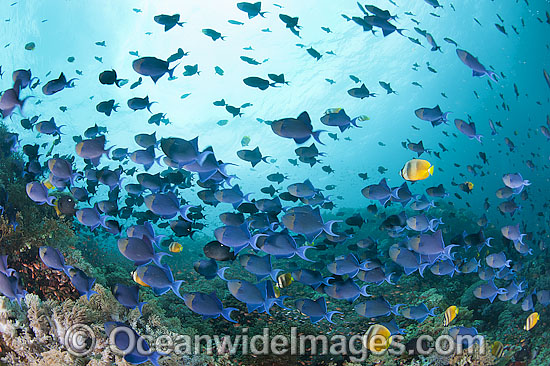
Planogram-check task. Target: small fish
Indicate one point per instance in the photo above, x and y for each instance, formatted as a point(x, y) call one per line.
point(30, 46)
point(449, 40)
point(416, 169)
point(175, 247)
point(250, 60)
point(137, 83)
point(284, 280)
point(501, 29)
point(214, 35)
point(245, 141)
point(531, 321)
point(450, 315)
point(415, 40)
point(314, 53)
point(497, 349)
point(377, 339)
point(355, 79)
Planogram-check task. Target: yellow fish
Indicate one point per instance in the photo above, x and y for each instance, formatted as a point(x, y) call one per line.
point(531, 321)
point(497, 349)
point(284, 280)
point(450, 315)
point(277, 292)
point(175, 247)
point(417, 169)
point(333, 110)
point(138, 280)
point(377, 338)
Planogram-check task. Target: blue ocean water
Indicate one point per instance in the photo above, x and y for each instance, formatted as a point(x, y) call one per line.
point(69, 29)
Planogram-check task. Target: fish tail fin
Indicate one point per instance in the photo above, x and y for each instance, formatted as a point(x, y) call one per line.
point(50, 200)
point(301, 252)
point(89, 294)
point(102, 221)
point(183, 212)
point(326, 281)
point(363, 291)
point(202, 156)
point(273, 274)
point(268, 304)
point(447, 251)
point(154, 358)
point(226, 313)
point(108, 152)
point(254, 240)
point(140, 307)
point(70, 83)
point(395, 309)
point(327, 227)
point(492, 76)
point(316, 135)
point(157, 258)
point(421, 269)
point(431, 312)
point(176, 288)
point(171, 71)
point(388, 279)
point(329, 315)
point(22, 103)
point(431, 170)
point(400, 31)
point(66, 270)
point(221, 273)
point(478, 137)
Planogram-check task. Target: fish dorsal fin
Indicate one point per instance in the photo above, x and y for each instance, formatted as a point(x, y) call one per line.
point(237, 189)
point(352, 257)
point(195, 143)
point(304, 117)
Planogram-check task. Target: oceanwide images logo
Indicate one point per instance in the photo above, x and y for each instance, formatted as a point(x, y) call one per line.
point(357, 348)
